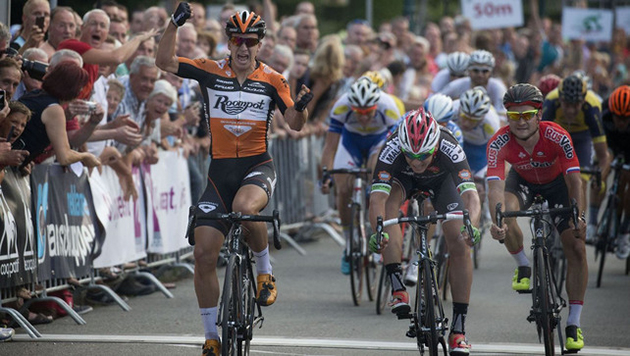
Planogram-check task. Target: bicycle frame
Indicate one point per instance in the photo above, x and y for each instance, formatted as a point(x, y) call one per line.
point(547, 301)
point(239, 312)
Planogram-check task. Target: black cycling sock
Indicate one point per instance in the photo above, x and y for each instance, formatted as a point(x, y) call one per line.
point(459, 317)
point(394, 272)
point(592, 214)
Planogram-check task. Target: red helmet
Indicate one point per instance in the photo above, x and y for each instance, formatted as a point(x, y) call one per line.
point(619, 101)
point(548, 83)
point(418, 132)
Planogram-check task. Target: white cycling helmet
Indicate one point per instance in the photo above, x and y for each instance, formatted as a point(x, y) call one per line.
point(418, 132)
point(440, 106)
point(457, 63)
point(364, 93)
point(481, 58)
point(475, 102)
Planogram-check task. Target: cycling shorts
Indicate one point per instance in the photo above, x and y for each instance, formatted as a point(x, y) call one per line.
point(354, 149)
point(226, 176)
point(443, 193)
point(476, 156)
point(555, 192)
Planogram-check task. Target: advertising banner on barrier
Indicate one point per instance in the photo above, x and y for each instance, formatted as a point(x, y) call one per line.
point(587, 24)
point(168, 198)
point(117, 217)
point(65, 222)
point(17, 242)
point(486, 14)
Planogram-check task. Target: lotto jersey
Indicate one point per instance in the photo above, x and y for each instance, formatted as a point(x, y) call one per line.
point(238, 115)
point(553, 155)
point(342, 118)
point(588, 119)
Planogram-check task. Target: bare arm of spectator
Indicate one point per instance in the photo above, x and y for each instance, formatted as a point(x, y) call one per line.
point(122, 167)
point(165, 57)
point(54, 119)
point(34, 40)
point(120, 54)
point(78, 137)
point(122, 129)
point(269, 15)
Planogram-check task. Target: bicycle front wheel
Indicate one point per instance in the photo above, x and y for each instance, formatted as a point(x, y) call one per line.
point(356, 256)
point(384, 290)
point(545, 318)
point(230, 308)
point(428, 308)
point(249, 307)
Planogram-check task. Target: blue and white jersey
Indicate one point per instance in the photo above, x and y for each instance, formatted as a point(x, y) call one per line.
point(456, 131)
point(343, 119)
point(477, 138)
point(495, 89)
point(441, 79)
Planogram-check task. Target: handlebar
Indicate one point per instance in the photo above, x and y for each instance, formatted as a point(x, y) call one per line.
point(536, 212)
point(326, 173)
point(233, 217)
point(594, 172)
point(423, 220)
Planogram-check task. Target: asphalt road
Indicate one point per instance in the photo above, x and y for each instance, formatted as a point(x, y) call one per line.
point(314, 315)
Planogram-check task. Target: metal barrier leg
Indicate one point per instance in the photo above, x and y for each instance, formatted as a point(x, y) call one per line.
point(295, 245)
point(112, 294)
point(187, 266)
point(21, 320)
point(332, 233)
point(155, 281)
point(76, 317)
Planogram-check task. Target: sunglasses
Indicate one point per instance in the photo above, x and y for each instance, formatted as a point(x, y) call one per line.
point(525, 115)
point(420, 156)
point(469, 118)
point(249, 42)
point(480, 70)
point(364, 111)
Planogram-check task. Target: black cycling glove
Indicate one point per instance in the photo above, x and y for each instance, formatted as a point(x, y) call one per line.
point(181, 14)
point(304, 100)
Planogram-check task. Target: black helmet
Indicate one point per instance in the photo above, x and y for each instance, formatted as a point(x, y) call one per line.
point(523, 94)
point(245, 22)
point(572, 89)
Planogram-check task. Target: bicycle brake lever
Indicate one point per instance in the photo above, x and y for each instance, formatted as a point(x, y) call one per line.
point(190, 229)
point(276, 230)
point(499, 217)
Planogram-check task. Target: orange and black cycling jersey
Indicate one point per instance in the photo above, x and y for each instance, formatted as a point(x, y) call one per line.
point(238, 115)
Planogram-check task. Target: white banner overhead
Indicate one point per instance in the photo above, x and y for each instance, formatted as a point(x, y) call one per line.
point(486, 14)
point(587, 24)
point(622, 15)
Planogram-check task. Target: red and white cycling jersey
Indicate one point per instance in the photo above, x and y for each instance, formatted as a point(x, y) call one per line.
point(553, 155)
point(238, 115)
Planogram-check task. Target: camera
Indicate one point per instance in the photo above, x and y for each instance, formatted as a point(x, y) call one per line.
point(35, 69)
point(91, 106)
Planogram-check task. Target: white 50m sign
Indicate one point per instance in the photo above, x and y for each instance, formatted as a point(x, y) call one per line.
point(484, 14)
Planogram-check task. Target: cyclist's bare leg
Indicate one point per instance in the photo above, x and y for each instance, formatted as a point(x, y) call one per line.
point(208, 242)
point(460, 262)
point(577, 266)
point(343, 193)
point(514, 235)
point(250, 199)
point(393, 252)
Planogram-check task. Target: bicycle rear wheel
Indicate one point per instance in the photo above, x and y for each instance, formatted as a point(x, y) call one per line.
point(384, 290)
point(545, 319)
point(355, 258)
point(429, 309)
point(608, 231)
point(372, 274)
point(230, 308)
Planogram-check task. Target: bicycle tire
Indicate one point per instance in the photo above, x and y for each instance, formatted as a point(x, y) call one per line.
point(249, 307)
point(384, 291)
point(442, 266)
point(542, 303)
point(603, 241)
point(229, 309)
point(356, 259)
point(372, 274)
point(429, 322)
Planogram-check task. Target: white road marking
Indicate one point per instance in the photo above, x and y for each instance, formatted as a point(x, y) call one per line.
point(498, 348)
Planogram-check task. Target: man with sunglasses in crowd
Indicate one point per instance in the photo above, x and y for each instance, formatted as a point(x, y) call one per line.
point(359, 122)
point(543, 162)
point(423, 158)
point(480, 66)
point(240, 96)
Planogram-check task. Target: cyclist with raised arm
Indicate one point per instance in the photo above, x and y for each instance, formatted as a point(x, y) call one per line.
point(359, 122)
point(616, 119)
point(578, 111)
point(543, 161)
point(422, 157)
point(240, 96)
point(456, 67)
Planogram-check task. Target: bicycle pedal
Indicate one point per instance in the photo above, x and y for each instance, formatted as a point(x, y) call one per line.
point(529, 291)
point(564, 352)
point(404, 316)
point(411, 333)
